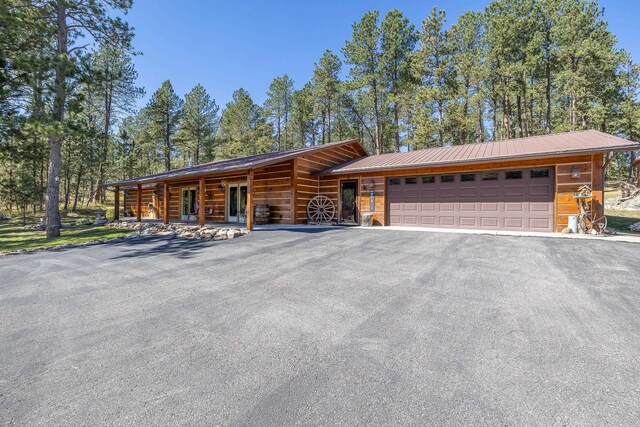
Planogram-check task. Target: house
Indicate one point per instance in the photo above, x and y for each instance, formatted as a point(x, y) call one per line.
point(517, 184)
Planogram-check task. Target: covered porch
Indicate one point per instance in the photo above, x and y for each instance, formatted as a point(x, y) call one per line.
point(225, 200)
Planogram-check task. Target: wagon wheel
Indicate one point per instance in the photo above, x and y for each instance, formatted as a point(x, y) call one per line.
point(598, 222)
point(320, 209)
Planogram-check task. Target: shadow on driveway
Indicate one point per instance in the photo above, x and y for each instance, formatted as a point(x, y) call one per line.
point(149, 246)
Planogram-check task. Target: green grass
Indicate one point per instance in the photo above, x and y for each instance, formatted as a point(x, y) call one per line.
point(14, 237)
point(620, 220)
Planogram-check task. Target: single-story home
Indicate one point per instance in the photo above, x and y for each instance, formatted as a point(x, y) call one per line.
point(517, 184)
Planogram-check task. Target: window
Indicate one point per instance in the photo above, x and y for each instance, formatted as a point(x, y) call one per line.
point(428, 179)
point(394, 181)
point(412, 180)
point(466, 177)
point(489, 176)
point(513, 175)
point(539, 173)
point(447, 178)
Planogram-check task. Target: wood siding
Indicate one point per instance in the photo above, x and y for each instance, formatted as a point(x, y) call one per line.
point(272, 186)
point(591, 174)
point(148, 197)
point(309, 185)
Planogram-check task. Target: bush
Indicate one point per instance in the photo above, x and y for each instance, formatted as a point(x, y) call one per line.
point(111, 213)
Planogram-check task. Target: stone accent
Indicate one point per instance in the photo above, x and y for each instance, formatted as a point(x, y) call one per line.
point(178, 230)
point(635, 226)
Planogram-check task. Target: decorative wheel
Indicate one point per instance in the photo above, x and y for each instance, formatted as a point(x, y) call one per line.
point(320, 209)
point(598, 222)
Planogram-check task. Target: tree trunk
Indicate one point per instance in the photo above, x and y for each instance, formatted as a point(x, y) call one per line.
point(108, 99)
point(55, 140)
point(378, 142)
point(329, 120)
point(77, 189)
point(519, 107)
point(396, 122)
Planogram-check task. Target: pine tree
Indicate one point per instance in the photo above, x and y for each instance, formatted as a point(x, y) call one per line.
point(198, 125)
point(325, 90)
point(432, 66)
point(243, 128)
point(399, 38)
point(278, 108)
point(165, 112)
point(363, 53)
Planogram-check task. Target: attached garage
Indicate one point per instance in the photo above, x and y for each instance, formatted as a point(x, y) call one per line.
point(519, 199)
point(523, 184)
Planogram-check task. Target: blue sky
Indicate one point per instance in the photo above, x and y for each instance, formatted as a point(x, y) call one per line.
point(225, 45)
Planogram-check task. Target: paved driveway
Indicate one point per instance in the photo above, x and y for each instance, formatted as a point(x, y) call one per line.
point(345, 326)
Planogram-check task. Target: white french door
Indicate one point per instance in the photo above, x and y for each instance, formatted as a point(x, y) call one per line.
point(237, 202)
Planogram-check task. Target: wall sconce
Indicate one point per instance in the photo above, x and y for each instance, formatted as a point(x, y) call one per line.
point(575, 172)
point(222, 185)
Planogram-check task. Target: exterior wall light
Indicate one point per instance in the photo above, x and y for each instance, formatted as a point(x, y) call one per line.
point(575, 172)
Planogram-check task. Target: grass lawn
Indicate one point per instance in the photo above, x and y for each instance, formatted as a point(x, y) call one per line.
point(619, 220)
point(14, 237)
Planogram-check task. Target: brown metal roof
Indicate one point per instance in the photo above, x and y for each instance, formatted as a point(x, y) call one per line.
point(230, 165)
point(581, 142)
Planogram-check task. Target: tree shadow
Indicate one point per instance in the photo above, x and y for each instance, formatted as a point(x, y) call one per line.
point(148, 246)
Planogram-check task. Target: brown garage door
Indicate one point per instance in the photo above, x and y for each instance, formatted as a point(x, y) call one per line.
point(519, 199)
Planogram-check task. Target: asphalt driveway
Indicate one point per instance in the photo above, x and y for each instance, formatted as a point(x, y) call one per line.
point(345, 326)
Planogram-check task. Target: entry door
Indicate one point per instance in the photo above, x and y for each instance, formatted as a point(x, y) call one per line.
point(348, 206)
point(188, 204)
point(237, 206)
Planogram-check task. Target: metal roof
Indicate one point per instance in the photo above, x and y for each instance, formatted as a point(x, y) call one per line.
point(579, 142)
point(230, 165)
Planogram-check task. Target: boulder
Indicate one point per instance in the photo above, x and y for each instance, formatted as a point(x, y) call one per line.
point(634, 227)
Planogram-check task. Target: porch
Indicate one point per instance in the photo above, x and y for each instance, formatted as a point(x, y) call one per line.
point(215, 201)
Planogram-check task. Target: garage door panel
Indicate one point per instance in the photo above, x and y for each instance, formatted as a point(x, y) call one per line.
point(468, 222)
point(429, 221)
point(541, 207)
point(447, 221)
point(467, 206)
point(514, 190)
point(411, 207)
point(514, 207)
point(489, 222)
point(540, 224)
point(447, 207)
point(514, 222)
point(410, 220)
point(521, 203)
point(489, 207)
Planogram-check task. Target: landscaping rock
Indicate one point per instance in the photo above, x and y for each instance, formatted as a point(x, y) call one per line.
point(635, 226)
point(179, 231)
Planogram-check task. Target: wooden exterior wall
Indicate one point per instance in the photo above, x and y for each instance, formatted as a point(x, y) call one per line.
point(591, 174)
point(272, 185)
point(308, 185)
point(130, 197)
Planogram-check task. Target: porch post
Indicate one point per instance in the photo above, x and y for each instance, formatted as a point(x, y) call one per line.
point(139, 204)
point(165, 196)
point(201, 210)
point(294, 191)
point(249, 212)
point(116, 214)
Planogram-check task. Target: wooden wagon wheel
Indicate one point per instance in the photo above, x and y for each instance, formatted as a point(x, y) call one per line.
point(597, 222)
point(320, 209)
